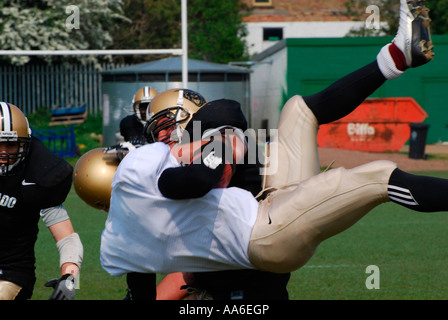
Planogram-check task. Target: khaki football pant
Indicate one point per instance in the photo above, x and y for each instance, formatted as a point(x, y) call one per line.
point(8, 290)
point(306, 206)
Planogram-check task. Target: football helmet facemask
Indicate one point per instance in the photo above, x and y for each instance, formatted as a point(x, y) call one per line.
point(141, 101)
point(92, 177)
point(171, 109)
point(14, 130)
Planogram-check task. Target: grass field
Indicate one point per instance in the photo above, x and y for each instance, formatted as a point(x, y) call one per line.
point(409, 249)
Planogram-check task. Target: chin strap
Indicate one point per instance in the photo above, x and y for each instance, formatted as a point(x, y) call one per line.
point(180, 103)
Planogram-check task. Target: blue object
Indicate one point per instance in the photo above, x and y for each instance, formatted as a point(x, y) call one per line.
point(69, 111)
point(61, 142)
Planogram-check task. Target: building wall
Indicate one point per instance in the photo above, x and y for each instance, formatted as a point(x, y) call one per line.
point(268, 89)
point(306, 66)
point(297, 29)
point(117, 99)
point(297, 10)
point(297, 19)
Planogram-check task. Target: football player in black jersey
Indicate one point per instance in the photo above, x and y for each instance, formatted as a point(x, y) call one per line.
point(33, 183)
point(131, 126)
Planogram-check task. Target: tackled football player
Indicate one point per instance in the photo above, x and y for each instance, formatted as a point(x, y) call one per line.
point(34, 183)
point(230, 284)
point(184, 219)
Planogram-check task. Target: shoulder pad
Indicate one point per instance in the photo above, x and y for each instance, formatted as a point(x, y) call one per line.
point(44, 167)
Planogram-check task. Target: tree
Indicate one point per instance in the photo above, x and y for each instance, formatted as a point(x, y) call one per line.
point(57, 25)
point(215, 29)
point(389, 13)
point(439, 16)
point(154, 24)
point(388, 10)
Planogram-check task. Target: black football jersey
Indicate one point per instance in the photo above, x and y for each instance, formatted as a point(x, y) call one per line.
point(132, 129)
point(41, 181)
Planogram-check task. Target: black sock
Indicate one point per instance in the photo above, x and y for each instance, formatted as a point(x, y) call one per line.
point(419, 193)
point(343, 96)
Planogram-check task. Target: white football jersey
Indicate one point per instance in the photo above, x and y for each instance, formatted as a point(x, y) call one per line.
point(146, 232)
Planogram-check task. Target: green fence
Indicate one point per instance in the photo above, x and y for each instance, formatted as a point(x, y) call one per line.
point(313, 64)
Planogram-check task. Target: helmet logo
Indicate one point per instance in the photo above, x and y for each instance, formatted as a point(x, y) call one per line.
point(8, 134)
point(194, 97)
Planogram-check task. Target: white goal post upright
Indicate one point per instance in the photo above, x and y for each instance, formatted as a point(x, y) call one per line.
point(183, 52)
point(184, 44)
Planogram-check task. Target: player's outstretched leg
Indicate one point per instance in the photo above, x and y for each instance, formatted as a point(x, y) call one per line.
point(294, 155)
point(291, 223)
point(411, 47)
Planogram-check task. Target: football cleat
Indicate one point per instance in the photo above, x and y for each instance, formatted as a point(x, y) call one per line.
point(414, 36)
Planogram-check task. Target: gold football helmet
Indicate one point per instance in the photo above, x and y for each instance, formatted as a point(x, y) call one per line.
point(14, 129)
point(92, 177)
point(141, 101)
point(171, 108)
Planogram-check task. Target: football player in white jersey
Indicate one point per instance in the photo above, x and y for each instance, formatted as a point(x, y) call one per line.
point(170, 208)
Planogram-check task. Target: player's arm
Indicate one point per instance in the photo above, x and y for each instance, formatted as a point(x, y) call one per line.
point(169, 288)
point(69, 246)
point(194, 179)
point(209, 165)
point(70, 250)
